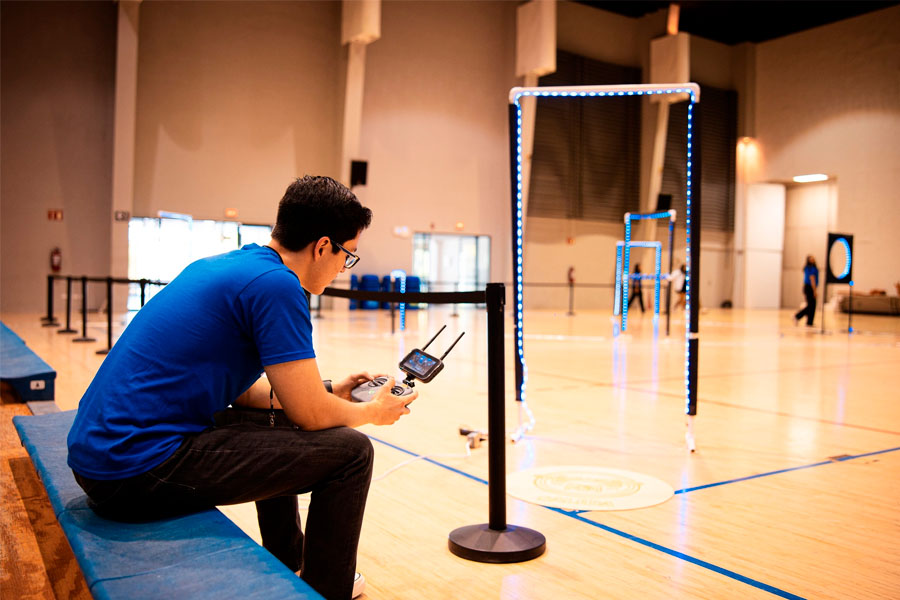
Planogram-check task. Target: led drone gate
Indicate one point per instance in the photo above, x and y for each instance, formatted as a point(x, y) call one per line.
point(692, 199)
point(623, 278)
point(623, 269)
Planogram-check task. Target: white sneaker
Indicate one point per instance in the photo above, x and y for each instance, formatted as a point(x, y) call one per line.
point(359, 585)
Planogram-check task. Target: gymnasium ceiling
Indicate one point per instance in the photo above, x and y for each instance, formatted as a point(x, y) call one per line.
point(735, 21)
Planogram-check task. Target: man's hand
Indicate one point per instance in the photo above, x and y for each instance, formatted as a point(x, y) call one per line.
point(298, 387)
point(387, 408)
point(343, 388)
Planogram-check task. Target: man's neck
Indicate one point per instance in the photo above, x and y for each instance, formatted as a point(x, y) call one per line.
point(295, 261)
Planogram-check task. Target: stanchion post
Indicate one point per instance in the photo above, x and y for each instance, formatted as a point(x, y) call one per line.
point(68, 328)
point(393, 304)
point(143, 283)
point(50, 319)
point(84, 336)
point(109, 319)
point(496, 541)
point(571, 298)
point(671, 266)
point(849, 308)
point(824, 297)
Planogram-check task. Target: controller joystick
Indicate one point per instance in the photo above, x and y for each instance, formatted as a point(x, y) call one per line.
point(366, 391)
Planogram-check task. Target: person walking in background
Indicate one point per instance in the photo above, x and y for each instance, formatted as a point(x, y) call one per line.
point(636, 287)
point(810, 283)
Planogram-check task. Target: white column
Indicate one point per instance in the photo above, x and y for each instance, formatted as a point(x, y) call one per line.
point(763, 229)
point(360, 26)
point(353, 105)
point(535, 56)
point(124, 140)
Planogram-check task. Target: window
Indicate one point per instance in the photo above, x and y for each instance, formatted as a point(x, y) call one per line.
point(160, 248)
point(452, 263)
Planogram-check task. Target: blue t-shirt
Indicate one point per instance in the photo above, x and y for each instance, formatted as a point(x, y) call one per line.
point(189, 352)
point(810, 275)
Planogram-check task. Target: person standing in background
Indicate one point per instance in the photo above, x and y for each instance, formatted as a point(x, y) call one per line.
point(636, 287)
point(810, 283)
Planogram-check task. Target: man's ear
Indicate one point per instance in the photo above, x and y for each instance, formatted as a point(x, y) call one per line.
point(320, 246)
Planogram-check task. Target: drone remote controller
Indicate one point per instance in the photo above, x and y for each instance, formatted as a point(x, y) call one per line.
point(366, 391)
point(418, 364)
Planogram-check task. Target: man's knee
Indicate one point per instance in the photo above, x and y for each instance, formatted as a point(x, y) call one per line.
point(359, 444)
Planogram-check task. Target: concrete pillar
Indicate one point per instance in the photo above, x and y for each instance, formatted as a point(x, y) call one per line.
point(124, 142)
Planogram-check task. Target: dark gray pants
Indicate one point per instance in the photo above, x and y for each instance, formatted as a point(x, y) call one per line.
point(808, 311)
point(242, 459)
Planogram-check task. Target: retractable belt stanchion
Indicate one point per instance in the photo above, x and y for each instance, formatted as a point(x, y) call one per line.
point(109, 319)
point(495, 541)
point(143, 284)
point(84, 336)
point(68, 328)
point(50, 320)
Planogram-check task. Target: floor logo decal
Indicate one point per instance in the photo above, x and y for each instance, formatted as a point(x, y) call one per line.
point(587, 488)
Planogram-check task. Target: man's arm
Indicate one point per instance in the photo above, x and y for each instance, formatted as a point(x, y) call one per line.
point(299, 390)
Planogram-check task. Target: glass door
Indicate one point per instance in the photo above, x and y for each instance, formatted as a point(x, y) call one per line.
point(447, 262)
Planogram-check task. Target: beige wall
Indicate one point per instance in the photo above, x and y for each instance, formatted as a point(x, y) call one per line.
point(234, 100)
point(435, 127)
point(828, 101)
point(56, 101)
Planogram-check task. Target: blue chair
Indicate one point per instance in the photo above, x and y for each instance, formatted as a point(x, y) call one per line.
point(413, 285)
point(354, 285)
point(369, 283)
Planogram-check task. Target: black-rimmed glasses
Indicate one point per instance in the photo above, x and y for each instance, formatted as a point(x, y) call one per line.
point(351, 259)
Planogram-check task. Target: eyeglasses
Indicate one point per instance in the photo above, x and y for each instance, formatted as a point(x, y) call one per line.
point(351, 259)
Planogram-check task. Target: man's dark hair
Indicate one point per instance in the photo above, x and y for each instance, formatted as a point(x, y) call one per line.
point(315, 207)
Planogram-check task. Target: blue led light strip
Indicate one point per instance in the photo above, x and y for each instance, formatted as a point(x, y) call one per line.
point(847, 257)
point(400, 274)
point(617, 302)
point(515, 95)
point(520, 338)
point(629, 217)
point(626, 272)
point(658, 268)
point(688, 284)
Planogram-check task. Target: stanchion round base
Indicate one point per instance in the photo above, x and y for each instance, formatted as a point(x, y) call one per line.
point(50, 324)
point(104, 351)
point(67, 331)
point(483, 544)
point(84, 339)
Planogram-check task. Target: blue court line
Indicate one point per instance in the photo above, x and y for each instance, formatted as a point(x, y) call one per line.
point(779, 471)
point(579, 517)
point(681, 555)
point(431, 460)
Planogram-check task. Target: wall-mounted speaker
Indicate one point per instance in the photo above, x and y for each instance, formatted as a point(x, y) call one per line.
point(358, 171)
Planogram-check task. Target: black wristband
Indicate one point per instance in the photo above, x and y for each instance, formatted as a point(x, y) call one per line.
point(327, 383)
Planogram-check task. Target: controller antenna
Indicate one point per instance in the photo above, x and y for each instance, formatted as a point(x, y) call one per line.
point(451, 345)
point(435, 337)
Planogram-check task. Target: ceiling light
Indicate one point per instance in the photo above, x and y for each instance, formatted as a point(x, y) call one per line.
point(812, 177)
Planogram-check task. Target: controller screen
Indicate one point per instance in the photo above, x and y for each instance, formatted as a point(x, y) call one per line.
point(419, 363)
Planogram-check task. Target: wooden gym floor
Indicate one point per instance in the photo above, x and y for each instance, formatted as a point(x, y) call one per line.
point(794, 491)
